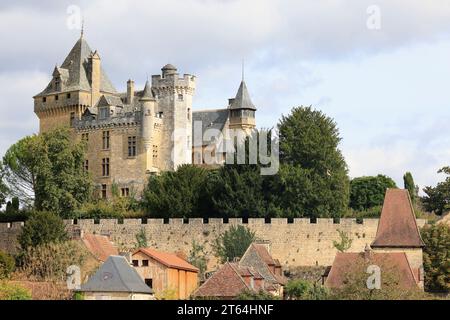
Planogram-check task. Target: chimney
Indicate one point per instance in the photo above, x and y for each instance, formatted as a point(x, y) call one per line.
point(95, 77)
point(130, 91)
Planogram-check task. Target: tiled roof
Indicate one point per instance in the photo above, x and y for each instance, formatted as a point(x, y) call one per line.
point(242, 99)
point(116, 275)
point(99, 246)
point(346, 262)
point(77, 66)
point(397, 226)
point(168, 259)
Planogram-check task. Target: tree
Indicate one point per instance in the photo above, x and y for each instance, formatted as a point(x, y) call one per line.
point(198, 258)
point(368, 192)
point(141, 239)
point(42, 228)
point(7, 265)
point(3, 188)
point(233, 243)
point(437, 199)
point(175, 194)
point(309, 141)
point(436, 257)
point(304, 290)
point(345, 243)
point(408, 183)
point(47, 169)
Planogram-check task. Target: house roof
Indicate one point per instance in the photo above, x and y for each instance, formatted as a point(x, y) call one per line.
point(209, 119)
point(168, 259)
point(100, 246)
point(75, 70)
point(397, 226)
point(116, 275)
point(346, 262)
point(242, 99)
point(226, 282)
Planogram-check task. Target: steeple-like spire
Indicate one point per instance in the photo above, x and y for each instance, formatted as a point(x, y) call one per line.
point(82, 29)
point(242, 99)
point(147, 94)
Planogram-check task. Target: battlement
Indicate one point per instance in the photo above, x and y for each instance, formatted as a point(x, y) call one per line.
point(173, 80)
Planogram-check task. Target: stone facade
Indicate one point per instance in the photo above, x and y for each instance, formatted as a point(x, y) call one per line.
point(300, 243)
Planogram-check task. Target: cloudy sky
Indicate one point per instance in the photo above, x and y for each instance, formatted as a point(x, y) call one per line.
point(380, 71)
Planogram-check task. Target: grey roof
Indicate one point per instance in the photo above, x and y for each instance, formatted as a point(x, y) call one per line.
point(242, 99)
point(75, 71)
point(147, 94)
point(116, 275)
point(210, 119)
point(169, 67)
point(107, 100)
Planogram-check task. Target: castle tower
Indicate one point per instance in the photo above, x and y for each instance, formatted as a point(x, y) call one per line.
point(147, 124)
point(174, 95)
point(76, 85)
point(242, 110)
point(398, 232)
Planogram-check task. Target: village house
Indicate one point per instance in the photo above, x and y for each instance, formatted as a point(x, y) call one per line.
point(116, 279)
point(397, 246)
point(165, 273)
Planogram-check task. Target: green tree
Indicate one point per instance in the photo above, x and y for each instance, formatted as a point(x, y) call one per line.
point(300, 289)
point(7, 265)
point(309, 142)
point(408, 183)
point(48, 169)
point(368, 192)
point(42, 228)
point(345, 242)
point(436, 257)
point(141, 239)
point(175, 194)
point(437, 199)
point(198, 258)
point(3, 188)
point(233, 243)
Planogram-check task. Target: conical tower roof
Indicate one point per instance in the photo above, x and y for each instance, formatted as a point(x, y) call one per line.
point(147, 93)
point(242, 99)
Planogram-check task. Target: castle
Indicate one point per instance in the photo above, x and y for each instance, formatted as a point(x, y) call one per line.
point(136, 133)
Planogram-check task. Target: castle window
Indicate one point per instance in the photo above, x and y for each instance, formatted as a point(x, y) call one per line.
point(189, 113)
point(85, 137)
point(86, 165)
point(160, 114)
point(104, 113)
point(105, 167)
point(103, 191)
point(180, 97)
point(72, 118)
point(105, 140)
point(68, 96)
point(57, 83)
point(56, 98)
point(44, 99)
point(125, 192)
point(132, 146)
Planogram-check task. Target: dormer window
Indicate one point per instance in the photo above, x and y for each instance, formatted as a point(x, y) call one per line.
point(104, 113)
point(57, 84)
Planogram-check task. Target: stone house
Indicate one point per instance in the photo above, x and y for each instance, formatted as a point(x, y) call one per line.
point(165, 273)
point(116, 279)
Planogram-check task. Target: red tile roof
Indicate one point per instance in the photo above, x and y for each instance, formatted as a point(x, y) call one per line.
point(99, 246)
point(345, 262)
point(397, 226)
point(168, 259)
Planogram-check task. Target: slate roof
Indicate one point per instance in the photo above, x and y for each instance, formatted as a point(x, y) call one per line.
point(242, 99)
point(397, 226)
point(116, 275)
point(210, 119)
point(168, 259)
point(227, 282)
point(100, 246)
point(147, 93)
point(75, 71)
point(345, 262)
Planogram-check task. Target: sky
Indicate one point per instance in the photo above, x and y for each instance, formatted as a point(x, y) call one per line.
point(380, 69)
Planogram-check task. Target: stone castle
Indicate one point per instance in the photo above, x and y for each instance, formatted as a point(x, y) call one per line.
point(136, 133)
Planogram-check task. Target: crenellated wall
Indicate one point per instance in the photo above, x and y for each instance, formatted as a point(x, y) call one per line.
point(297, 242)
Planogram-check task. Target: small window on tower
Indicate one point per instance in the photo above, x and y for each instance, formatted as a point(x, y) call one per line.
point(44, 99)
point(103, 191)
point(68, 96)
point(180, 97)
point(56, 98)
point(189, 113)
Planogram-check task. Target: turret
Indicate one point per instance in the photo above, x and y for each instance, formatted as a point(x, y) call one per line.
point(148, 112)
point(242, 110)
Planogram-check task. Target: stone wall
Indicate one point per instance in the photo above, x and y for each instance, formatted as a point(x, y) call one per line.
point(298, 242)
point(8, 236)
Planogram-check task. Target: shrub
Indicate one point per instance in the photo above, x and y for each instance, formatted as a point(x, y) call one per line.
point(7, 265)
point(304, 290)
point(233, 243)
point(13, 292)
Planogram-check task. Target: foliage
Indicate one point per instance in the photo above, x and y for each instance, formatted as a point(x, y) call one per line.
point(50, 261)
point(437, 199)
point(77, 295)
point(436, 257)
point(9, 291)
point(166, 294)
point(345, 241)
point(304, 290)
point(175, 193)
point(233, 243)
point(12, 207)
point(42, 228)
point(3, 187)
point(48, 169)
point(368, 192)
point(141, 239)
point(7, 265)
point(309, 150)
point(251, 295)
point(373, 212)
point(408, 184)
point(198, 258)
